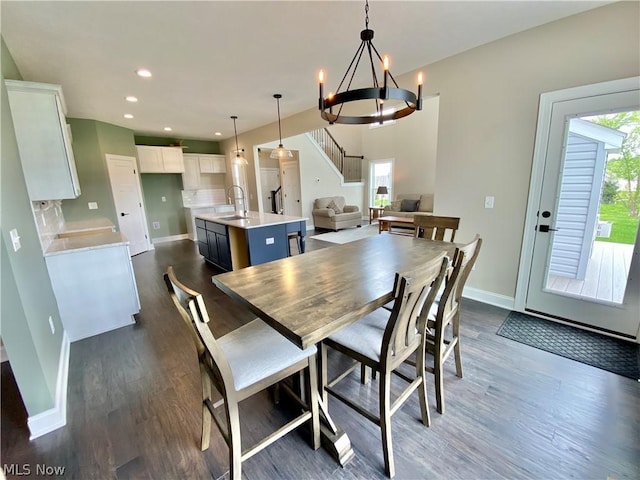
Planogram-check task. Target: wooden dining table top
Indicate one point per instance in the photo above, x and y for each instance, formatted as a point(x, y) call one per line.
point(311, 296)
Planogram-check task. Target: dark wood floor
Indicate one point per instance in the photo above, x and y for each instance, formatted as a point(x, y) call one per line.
point(134, 406)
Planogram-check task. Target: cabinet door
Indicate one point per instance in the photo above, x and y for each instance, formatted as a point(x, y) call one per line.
point(43, 141)
point(224, 251)
point(149, 159)
point(172, 159)
point(219, 164)
point(191, 175)
point(206, 164)
point(213, 247)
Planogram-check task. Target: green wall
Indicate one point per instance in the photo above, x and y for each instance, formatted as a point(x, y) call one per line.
point(27, 296)
point(189, 146)
point(92, 140)
point(170, 214)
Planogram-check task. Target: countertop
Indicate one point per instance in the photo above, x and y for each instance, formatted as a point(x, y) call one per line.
point(86, 225)
point(254, 220)
point(85, 242)
point(203, 207)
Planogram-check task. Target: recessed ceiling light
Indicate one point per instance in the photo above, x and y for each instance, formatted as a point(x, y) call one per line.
point(143, 72)
point(128, 115)
point(131, 98)
point(217, 134)
point(167, 129)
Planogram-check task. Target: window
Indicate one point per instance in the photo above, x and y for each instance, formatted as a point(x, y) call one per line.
point(380, 175)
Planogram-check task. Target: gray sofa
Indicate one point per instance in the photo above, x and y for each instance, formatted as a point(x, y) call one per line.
point(423, 207)
point(343, 216)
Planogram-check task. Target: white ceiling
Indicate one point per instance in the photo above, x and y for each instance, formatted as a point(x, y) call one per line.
point(211, 60)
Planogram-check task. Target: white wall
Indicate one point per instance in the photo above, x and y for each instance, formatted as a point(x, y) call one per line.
point(487, 119)
point(317, 176)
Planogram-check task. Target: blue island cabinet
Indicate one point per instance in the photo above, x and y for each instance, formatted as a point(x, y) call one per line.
point(267, 243)
point(232, 242)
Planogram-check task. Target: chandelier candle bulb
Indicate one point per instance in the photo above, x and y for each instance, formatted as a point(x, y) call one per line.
point(321, 85)
point(419, 99)
point(385, 63)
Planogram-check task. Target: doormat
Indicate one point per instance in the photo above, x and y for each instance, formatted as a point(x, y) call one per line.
point(597, 350)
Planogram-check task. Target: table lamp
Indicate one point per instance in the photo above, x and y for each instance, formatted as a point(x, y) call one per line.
point(382, 191)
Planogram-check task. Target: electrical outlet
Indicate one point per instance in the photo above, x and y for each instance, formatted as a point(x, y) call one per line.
point(156, 225)
point(53, 327)
point(93, 205)
point(270, 241)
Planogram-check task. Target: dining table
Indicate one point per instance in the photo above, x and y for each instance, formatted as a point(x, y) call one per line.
point(309, 297)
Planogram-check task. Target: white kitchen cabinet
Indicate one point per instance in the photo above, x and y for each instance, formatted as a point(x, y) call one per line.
point(191, 175)
point(94, 283)
point(160, 159)
point(212, 164)
point(198, 170)
point(44, 140)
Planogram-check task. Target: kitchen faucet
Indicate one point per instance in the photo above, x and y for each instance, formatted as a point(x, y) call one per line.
point(243, 198)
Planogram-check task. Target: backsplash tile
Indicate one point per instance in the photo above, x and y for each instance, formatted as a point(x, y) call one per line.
point(203, 197)
point(49, 220)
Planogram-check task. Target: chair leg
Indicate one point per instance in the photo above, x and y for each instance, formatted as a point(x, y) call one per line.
point(456, 349)
point(311, 385)
point(437, 370)
point(422, 389)
point(385, 423)
point(364, 374)
point(206, 415)
point(235, 444)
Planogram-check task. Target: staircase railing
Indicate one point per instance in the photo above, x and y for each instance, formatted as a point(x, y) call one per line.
point(350, 166)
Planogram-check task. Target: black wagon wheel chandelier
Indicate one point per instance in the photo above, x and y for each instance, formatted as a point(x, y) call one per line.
point(327, 105)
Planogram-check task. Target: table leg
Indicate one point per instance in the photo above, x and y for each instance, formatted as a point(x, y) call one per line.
point(334, 439)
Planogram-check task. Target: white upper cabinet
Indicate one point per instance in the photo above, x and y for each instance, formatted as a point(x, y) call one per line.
point(44, 140)
point(212, 164)
point(196, 164)
point(160, 159)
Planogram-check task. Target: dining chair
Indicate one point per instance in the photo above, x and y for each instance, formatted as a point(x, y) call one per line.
point(445, 312)
point(383, 342)
point(435, 227)
point(239, 365)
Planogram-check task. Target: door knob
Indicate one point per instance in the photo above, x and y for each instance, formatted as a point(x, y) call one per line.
point(122, 214)
point(545, 228)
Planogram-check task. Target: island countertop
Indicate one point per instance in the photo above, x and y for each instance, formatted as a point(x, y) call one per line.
point(253, 220)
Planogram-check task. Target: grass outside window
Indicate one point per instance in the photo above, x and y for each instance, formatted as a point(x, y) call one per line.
point(624, 227)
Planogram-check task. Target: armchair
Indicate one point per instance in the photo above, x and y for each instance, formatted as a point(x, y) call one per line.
point(332, 213)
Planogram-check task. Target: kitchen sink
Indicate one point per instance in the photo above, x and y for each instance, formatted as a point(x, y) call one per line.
point(233, 217)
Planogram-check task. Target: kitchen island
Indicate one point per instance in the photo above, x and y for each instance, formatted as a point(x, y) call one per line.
point(232, 241)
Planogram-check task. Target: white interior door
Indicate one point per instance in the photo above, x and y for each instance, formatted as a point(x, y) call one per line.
point(269, 181)
point(127, 197)
point(536, 291)
point(291, 192)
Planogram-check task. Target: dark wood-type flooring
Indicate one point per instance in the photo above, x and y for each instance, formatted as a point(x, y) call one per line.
point(134, 406)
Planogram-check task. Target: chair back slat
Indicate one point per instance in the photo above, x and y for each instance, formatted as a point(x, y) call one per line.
point(434, 227)
point(463, 261)
point(415, 291)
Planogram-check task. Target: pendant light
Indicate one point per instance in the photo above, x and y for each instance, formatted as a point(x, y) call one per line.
point(239, 160)
point(380, 94)
point(280, 152)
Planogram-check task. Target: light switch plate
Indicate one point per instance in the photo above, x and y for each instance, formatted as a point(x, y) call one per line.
point(15, 240)
point(93, 205)
point(488, 202)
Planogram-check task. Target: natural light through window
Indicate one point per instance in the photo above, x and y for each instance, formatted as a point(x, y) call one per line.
point(381, 175)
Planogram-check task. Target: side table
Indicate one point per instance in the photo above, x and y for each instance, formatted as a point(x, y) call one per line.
point(374, 213)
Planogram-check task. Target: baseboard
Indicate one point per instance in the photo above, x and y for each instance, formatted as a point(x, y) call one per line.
point(490, 298)
point(56, 417)
point(171, 238)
